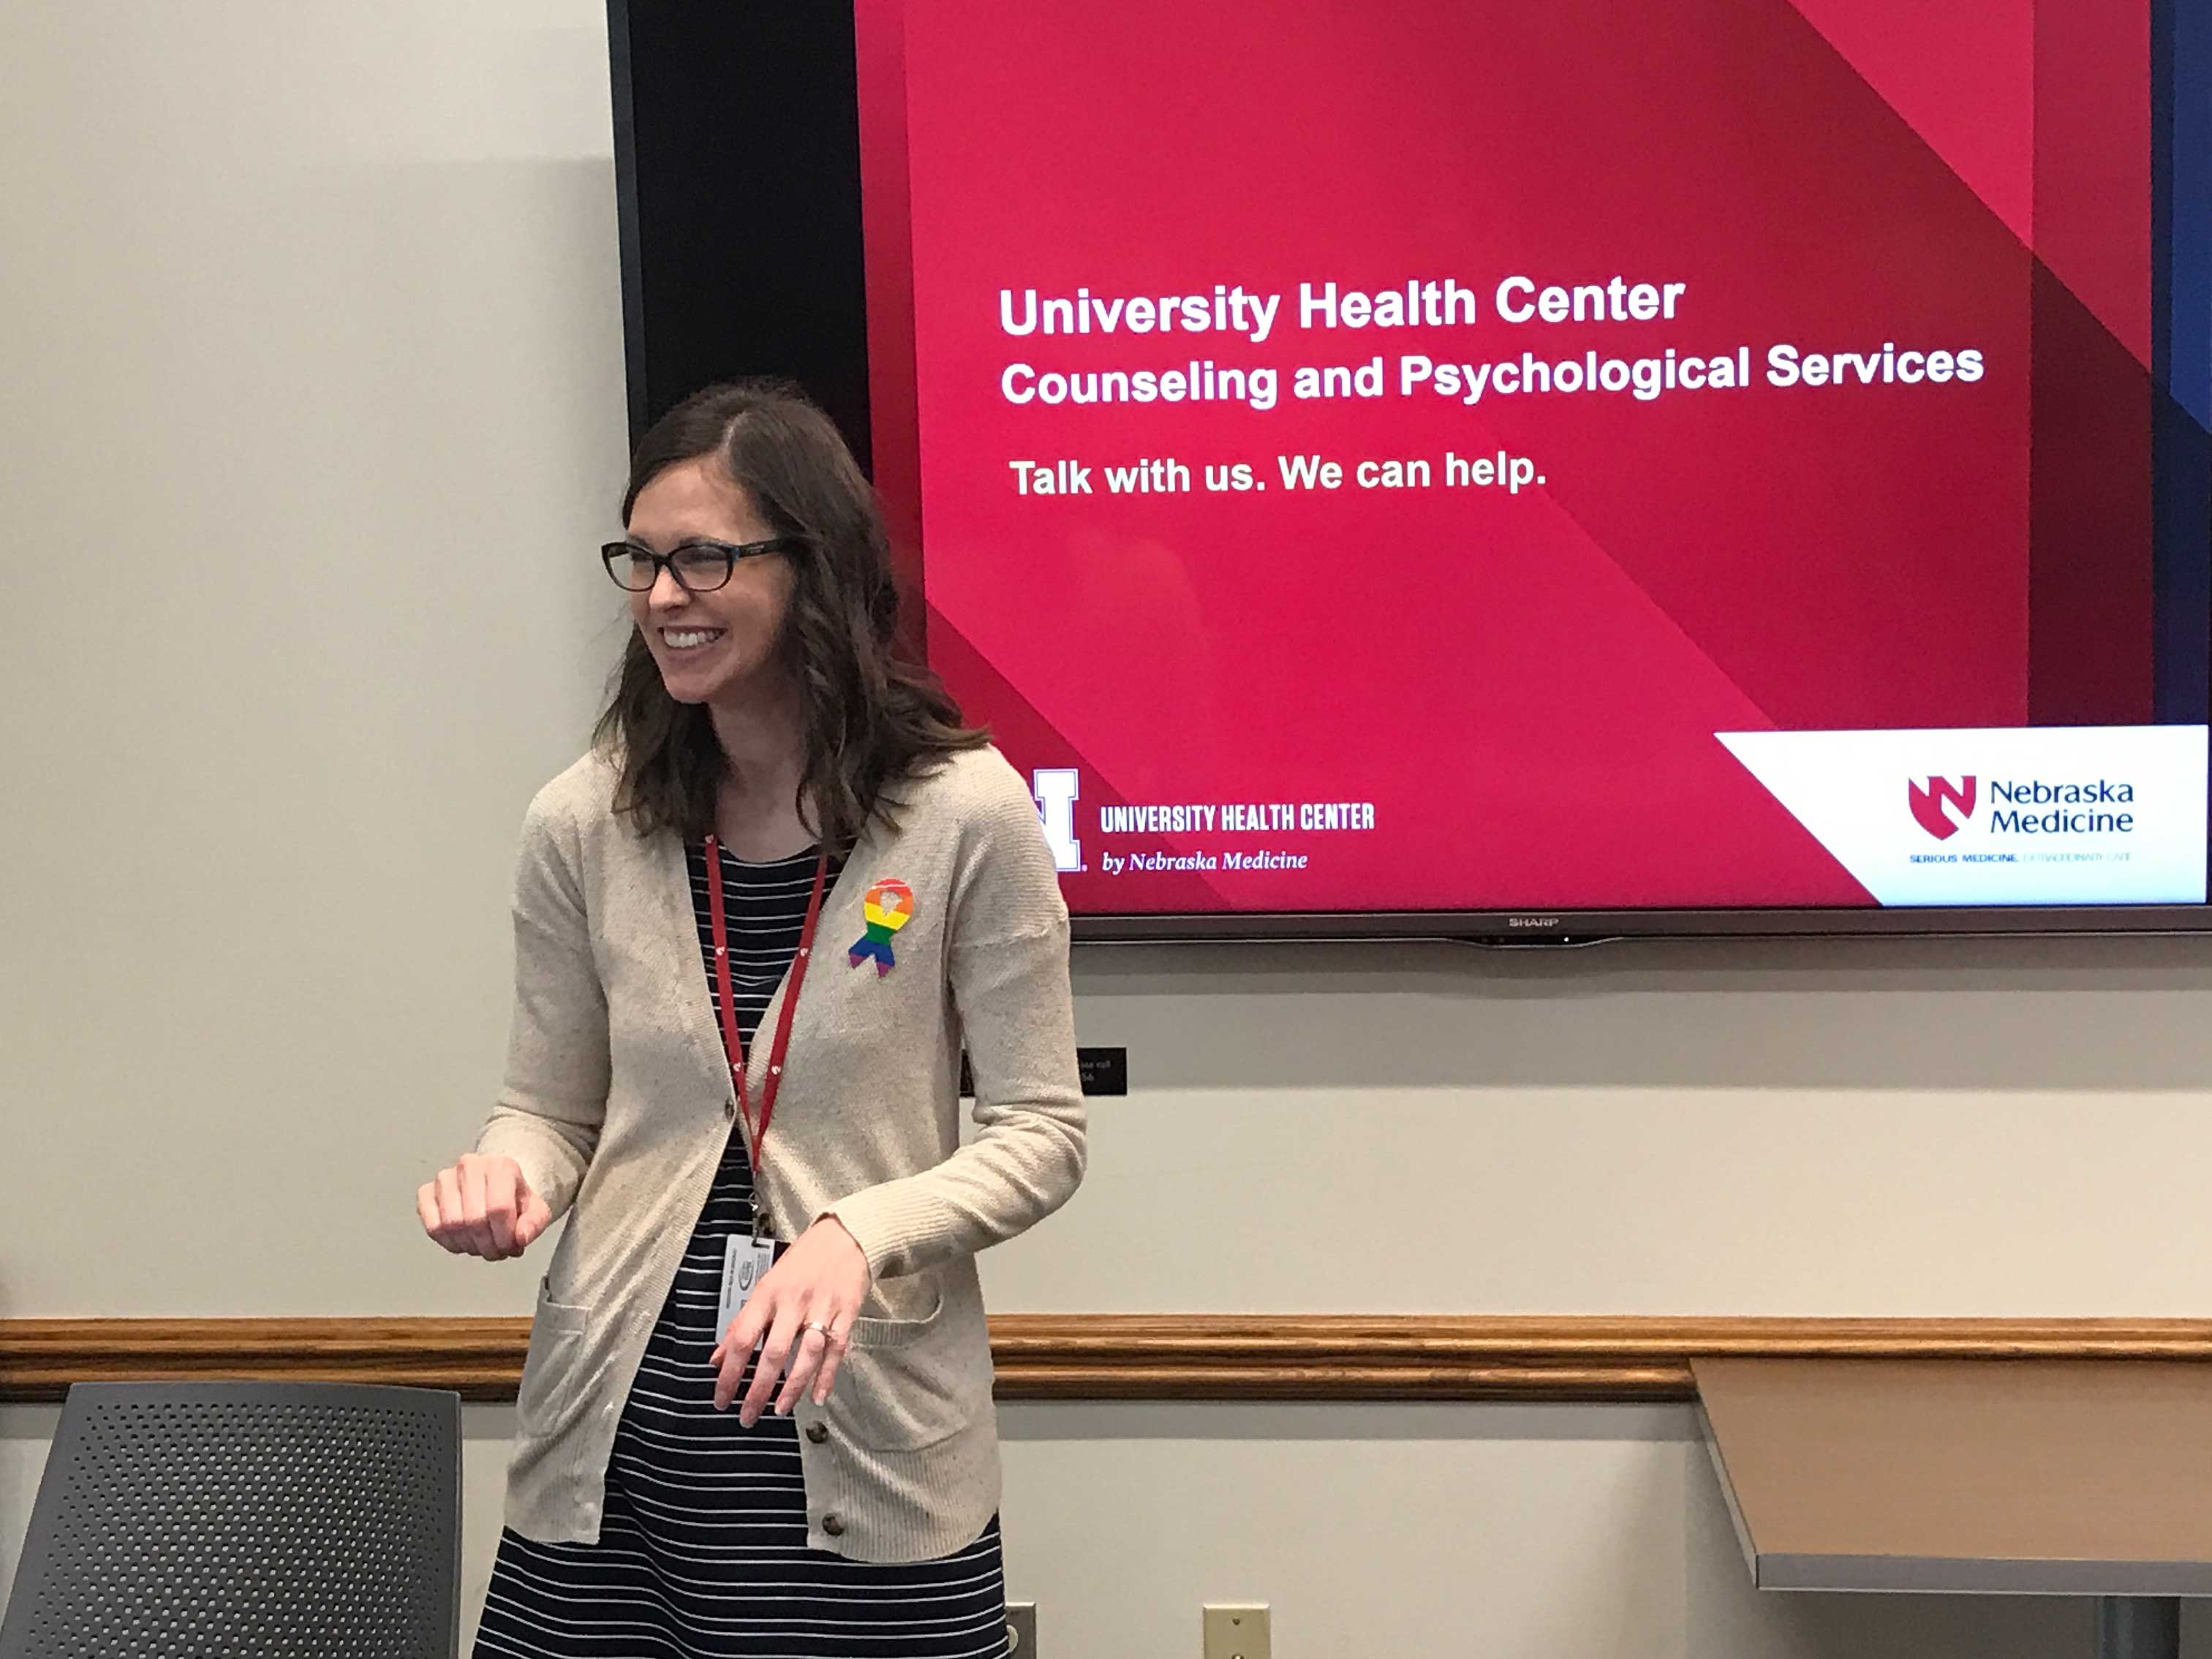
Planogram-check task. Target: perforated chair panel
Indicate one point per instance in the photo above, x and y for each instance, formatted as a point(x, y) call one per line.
point(232, 1520)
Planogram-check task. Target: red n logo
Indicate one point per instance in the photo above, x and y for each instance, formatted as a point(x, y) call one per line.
point(1926, 800)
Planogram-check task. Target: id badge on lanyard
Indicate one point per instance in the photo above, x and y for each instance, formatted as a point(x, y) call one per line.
point(746, 1262)
point(746, 1259)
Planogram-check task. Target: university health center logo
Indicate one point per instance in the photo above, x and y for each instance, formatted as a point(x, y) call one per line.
point(1928, 799)
point(1056, 789)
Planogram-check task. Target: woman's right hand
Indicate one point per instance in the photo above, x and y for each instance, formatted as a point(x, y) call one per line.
point(482, 1206)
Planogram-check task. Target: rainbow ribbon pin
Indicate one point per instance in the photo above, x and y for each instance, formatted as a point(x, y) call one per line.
point(887, 906)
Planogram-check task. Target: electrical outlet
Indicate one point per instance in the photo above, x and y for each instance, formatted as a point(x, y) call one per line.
point(1021, 1630)
point(1237, 1631)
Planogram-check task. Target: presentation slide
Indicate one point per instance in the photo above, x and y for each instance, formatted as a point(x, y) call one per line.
point(1464, 454)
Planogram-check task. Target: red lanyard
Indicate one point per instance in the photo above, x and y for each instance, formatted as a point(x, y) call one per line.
point(733, 1044)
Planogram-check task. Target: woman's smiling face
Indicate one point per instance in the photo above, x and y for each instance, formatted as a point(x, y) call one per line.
point(718, 646)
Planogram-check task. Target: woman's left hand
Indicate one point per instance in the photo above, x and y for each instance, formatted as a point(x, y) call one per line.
point(819, 1282)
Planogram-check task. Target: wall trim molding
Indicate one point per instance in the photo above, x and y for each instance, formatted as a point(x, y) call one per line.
point(1122, 1356)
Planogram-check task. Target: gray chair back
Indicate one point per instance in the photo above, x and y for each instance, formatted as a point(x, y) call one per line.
point(244, 1519)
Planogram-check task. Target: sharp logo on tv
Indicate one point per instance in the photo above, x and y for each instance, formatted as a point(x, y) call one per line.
point(1056, 789)
point(1928, 799)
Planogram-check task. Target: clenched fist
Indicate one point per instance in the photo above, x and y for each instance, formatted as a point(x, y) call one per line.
point(482, 1206)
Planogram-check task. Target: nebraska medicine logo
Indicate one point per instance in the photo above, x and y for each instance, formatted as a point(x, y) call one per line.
point(1056, 791)
point(1928, 800)
point(2035, 806)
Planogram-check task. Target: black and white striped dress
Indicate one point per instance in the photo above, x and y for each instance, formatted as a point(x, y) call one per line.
point(702, 1547)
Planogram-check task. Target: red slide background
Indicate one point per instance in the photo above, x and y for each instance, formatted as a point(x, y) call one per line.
point(1525, 686)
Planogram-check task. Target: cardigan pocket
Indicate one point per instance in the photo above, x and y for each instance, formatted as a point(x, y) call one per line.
point(548, 1394)
point(903, 1385)
point(896, 1332)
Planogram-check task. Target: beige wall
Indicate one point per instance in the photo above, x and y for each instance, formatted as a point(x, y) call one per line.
point(313, 412)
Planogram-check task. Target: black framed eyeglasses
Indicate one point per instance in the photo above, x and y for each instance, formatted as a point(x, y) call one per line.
point(699, 567)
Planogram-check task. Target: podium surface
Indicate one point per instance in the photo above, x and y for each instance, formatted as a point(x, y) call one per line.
point(2004, 1477)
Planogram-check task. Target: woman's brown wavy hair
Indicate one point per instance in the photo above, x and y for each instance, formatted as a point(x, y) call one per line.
point(871, 717)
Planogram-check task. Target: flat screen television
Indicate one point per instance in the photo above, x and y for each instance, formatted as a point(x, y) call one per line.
point(1466, 468)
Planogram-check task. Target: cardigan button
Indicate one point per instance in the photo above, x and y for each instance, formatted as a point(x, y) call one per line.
point(818, 1432)
point(833, 1526)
